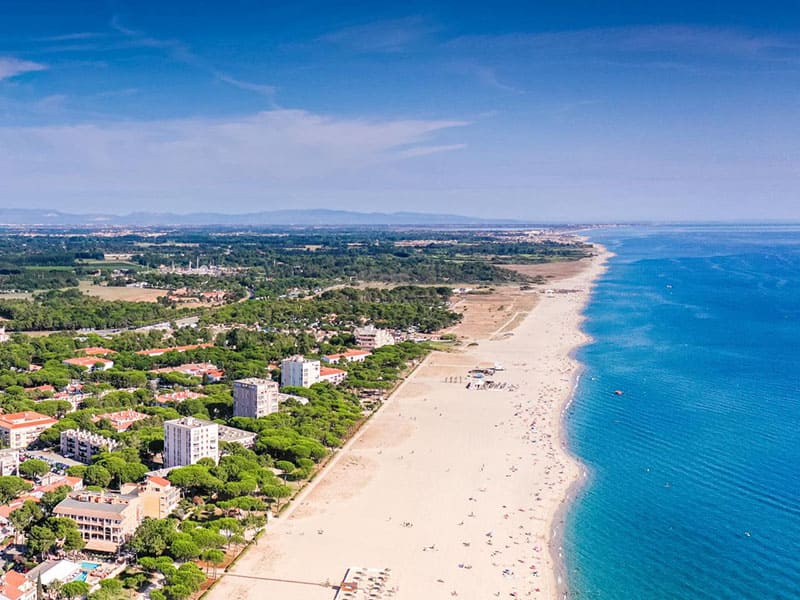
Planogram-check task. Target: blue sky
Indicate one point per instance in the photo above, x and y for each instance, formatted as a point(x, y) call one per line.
point(576, 111)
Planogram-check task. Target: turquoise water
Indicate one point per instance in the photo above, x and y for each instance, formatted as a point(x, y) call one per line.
point(81, 576)
point(89, 566)
point(694, 487)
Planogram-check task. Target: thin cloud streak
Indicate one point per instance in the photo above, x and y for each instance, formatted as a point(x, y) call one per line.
point(395, 35)
point(11, 67)
point(638, 39)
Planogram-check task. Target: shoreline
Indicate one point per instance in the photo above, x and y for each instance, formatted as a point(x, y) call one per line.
point(558, 521)
point(429, 453)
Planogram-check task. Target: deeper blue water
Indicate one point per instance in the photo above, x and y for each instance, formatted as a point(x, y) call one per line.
point(694, 472)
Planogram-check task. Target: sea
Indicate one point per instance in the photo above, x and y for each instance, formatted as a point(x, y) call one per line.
point(687, 418)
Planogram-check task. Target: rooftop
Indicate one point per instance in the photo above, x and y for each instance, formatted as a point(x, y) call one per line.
point(87, 361)
point(26, 418)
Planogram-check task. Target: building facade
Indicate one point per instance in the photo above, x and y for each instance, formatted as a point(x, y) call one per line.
point(9, 462)
point(158, 496)
point(106, 520)
point(188, 439)
point(331, 375)
point(299, 371)
point(82, 445)
point(19, 430)
point(370, 337)
point(254, 398)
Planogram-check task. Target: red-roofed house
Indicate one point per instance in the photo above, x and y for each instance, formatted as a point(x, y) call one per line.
point(331, 375)
point(121, 420)
point(19, 430)
point(91, 363)
point(349, 356)
point(15, 586)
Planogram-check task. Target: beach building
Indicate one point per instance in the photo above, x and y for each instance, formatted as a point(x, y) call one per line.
point(254, 397)
point(299, 371)
point(121, 420)
point(158, 496)
point(90, 363)
point(331, 375)
point(19, 430)
point(188, 439)
point(106, 520)
point(16, 586)
point(82, 445)
point(9, 462)
point(348, 356)
point(370, 337)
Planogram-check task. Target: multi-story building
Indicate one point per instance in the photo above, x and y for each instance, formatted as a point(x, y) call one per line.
point(158, 496)
point(9, 462)
point(82, 445)
point(299, 371)
point(106, 520)
point(254, 398)
point(370, 337)
point(331, 375)
point(19, 430)
point(187, 440)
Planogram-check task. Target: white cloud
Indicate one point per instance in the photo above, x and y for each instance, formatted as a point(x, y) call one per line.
point(11, 67)
point(417, 151)
point(248, 154)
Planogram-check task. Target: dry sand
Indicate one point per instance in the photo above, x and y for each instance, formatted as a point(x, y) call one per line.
point(454, 490)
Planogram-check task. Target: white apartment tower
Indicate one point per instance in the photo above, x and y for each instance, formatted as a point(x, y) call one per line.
point(299, 371)
point(253, 397)
point(187, 440)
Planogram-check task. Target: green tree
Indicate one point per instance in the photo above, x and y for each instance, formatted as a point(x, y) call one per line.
point(74, 589)
point(11, 487)
point(153, 537)
point(40, 540)
point(34, 468)
point(25, 516)
point(97, 475)
point(214, 558)
point(184, 548)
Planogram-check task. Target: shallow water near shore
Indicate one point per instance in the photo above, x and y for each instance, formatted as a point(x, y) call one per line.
point(694, 488)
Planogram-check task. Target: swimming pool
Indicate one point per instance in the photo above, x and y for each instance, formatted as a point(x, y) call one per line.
point(89, 566)
point(81, 576)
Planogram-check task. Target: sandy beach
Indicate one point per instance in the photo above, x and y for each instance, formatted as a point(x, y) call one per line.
point(455, 491)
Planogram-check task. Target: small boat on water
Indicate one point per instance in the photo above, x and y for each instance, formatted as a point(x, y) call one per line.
point(618, 392)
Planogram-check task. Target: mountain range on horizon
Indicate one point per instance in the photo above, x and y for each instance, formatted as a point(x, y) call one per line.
point(287, 217)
